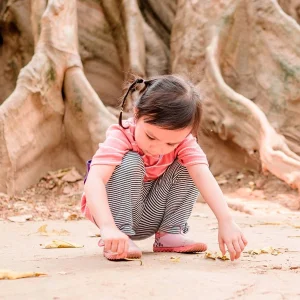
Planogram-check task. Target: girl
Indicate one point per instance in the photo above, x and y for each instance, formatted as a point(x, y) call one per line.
point(144, 179)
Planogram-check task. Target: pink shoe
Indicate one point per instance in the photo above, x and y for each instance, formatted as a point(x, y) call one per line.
point(133, 252)
point(168, 242)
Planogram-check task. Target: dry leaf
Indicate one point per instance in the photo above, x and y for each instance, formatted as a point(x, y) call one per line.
point(72, 176)
point(296, 226)
point(255, 252)
point(43, 231)
point(62, 244)
point(210, 255)
point(20, 219)
point(216, 255)
point(70, 217)
point(223, 257)
point(175, 259)
point(91, 234)
point(7, 274)
point(268, 250)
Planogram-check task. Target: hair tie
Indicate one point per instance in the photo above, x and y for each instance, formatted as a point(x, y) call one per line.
point(139, 80)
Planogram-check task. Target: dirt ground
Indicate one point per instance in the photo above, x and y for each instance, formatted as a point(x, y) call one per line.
point(264, 207)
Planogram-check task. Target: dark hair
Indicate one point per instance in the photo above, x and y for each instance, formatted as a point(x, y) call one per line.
point(168, 101)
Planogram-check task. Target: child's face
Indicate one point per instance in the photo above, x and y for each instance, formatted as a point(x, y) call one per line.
point(154, 140)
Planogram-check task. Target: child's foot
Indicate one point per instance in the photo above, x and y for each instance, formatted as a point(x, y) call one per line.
point(133, 252)
point(168, 242)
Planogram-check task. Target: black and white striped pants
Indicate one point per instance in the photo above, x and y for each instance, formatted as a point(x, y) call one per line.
point(142, 208)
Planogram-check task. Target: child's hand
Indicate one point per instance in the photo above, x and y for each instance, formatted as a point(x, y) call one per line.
point(231, 235)
point(114, 240)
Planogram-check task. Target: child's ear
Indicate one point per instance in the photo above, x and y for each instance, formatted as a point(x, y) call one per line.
point(135, 110)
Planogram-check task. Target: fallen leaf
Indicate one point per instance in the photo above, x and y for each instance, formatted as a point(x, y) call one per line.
point(91, 234)
point(294, 267)
point(175, 259)
point(72, 176)
point(43, 231)
point(70, 217)
point(267, 250)
point(223, 257)
point(62, 244)
point(210, 255)
point(216, 255)
point(11, 275)
point(296, 225)
point(254, 252)
point(20, 219)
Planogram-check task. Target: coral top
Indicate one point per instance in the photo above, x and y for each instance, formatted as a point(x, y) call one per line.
point(119, 141)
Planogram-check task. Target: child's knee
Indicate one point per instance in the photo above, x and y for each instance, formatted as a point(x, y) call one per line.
point(132, 165)
point(180, 173)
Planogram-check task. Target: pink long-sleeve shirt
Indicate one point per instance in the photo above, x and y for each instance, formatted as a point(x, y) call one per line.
point(119, 141)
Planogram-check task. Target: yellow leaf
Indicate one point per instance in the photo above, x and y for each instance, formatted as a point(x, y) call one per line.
point(43, 231)
point(62, 244)
point(175, 259)
point(275, 252)
point(91, 234)
point(268, 250)
point(70, 217)
point(223, 257)
point(296, 226)
point(210, 255)
point(255, 252)
point(11, 275)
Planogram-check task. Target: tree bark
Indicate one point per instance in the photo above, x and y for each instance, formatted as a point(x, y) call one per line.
point(237, 52)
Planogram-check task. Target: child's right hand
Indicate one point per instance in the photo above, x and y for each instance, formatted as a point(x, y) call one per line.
point(114, 240)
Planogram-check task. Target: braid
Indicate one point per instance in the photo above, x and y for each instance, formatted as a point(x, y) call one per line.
point(139, 80)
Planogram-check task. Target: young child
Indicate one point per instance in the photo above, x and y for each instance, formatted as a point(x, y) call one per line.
point(146, 176)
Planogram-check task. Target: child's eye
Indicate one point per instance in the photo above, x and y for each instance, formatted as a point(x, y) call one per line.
point(172, 145)
point(149, 137)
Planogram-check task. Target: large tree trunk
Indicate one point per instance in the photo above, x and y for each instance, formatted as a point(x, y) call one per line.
point(238, 53)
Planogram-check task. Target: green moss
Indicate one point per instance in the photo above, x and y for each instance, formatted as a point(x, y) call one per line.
point(77, 100)
point(290, 71)
point(51, 74)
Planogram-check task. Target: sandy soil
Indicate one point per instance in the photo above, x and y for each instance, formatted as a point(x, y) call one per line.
point(83, 273)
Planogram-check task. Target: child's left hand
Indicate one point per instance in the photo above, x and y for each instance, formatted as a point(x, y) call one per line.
point(231, 235)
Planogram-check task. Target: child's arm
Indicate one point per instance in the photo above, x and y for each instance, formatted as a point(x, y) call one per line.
point(97, 202)
point(229, 232)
